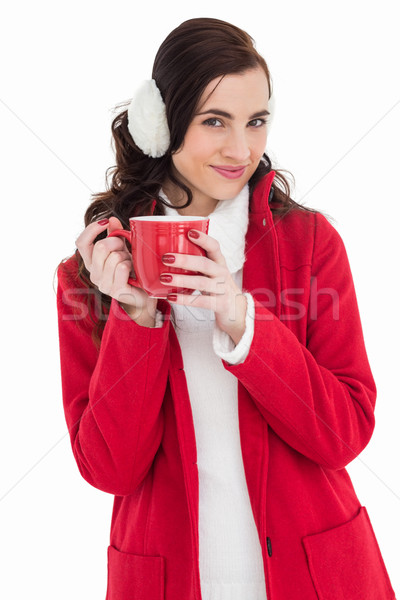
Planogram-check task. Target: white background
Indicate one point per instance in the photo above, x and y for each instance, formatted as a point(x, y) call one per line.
point(336, 128)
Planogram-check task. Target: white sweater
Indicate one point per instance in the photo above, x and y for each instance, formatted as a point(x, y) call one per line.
point(230, 561)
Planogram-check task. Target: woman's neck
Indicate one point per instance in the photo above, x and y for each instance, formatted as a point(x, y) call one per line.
point(201, 205)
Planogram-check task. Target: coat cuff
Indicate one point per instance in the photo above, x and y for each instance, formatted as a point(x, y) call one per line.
point(224, 346)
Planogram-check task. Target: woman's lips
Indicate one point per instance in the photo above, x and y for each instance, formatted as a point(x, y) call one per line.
point(230, 172)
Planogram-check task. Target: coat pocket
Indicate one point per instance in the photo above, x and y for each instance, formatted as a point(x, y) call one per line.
point(134, 577)
point(346, 564)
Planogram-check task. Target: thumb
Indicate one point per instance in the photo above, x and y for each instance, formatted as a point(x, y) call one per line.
point(114, 224)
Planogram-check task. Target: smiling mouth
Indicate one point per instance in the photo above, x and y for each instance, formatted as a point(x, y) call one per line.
point(230, 172)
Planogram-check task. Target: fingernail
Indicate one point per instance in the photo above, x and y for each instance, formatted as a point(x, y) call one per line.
point(194, 234)
point(165, 278)
point(103, 222)
point(168, 259)
point(172, 297)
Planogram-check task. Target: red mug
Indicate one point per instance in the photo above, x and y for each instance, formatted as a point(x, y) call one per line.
point(153, 236)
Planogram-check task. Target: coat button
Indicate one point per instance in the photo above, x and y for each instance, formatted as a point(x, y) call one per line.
point(264, 222)
point(269, 546)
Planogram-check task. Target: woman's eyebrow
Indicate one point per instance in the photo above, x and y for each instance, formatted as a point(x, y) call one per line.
point(222, 113)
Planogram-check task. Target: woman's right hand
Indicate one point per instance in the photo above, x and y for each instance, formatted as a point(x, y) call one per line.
point(109, 264)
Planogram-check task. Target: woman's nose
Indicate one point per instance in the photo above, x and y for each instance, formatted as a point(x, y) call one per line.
point(236, 146)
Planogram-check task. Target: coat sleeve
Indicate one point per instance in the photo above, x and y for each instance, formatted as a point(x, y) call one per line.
point(319, 397)
point(112, 396)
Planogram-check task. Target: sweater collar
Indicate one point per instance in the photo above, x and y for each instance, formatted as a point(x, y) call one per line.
point(228, 225)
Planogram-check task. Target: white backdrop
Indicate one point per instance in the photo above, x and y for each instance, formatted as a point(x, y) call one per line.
point(336, 128)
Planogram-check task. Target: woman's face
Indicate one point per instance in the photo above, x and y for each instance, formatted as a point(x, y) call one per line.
point(224, 142)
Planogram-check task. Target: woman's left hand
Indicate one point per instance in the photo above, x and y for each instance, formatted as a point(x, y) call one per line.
point(218, 290)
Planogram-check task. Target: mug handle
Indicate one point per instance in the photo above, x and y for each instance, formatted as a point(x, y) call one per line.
point(126, 235)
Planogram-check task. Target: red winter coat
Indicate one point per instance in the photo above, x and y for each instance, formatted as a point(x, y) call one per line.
point(306, 400)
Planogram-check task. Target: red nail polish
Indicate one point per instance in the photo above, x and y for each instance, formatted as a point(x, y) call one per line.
point(103, 222)
point(172, 297)
point(168, 259)
point(193, 233)
point(165, 278)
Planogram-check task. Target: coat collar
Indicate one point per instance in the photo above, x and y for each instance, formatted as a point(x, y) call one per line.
point(260, 197)
point(261, 273)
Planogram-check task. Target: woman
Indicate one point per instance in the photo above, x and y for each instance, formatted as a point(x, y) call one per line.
point(221, 420)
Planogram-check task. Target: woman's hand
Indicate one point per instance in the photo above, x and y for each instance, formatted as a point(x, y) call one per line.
point(219, 291)
point(109, 264)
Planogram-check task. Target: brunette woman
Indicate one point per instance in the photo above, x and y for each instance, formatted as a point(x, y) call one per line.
point(222, 420)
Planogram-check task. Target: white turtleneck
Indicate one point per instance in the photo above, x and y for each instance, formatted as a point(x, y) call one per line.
point(230, 558)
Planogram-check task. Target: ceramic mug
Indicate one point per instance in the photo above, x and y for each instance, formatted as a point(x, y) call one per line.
point(153, 236)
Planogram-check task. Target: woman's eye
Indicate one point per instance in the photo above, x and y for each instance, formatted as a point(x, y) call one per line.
point(257, 122)
point(213, 122)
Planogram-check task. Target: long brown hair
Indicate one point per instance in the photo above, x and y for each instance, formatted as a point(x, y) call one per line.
point(192, 55)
